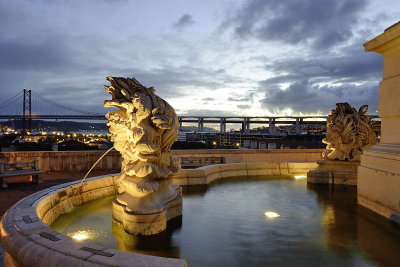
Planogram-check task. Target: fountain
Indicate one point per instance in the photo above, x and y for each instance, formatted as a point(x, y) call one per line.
point(143, 130)
point(258, 213)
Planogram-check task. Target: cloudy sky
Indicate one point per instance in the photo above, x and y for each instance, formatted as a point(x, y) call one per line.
point(243, 57)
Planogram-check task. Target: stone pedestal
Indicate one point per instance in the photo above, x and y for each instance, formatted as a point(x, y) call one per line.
point(148, 215)
point(379, 173)
point(335, 172)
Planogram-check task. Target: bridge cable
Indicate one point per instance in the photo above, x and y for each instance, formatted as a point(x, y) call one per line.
point(11, 100)
point(62, 107)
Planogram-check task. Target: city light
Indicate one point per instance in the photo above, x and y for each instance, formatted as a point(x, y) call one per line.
point(271, 214)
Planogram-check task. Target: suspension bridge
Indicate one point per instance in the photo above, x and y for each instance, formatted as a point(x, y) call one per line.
point(35, 106)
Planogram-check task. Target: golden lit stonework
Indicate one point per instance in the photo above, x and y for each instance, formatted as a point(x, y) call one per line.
point(143, 130)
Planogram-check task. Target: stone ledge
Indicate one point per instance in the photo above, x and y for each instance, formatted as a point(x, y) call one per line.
point(378, 208)
point(207, 174)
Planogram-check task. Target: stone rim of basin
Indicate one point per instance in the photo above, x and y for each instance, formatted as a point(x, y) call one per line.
point(28, 240)
point(27, 237)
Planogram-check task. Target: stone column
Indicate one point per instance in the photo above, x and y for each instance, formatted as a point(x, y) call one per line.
point(222, 125)
point(379, 173)
point(200, 125)
point(247, 125)
point(298, 126)
point(180, 124)
point(271, 126)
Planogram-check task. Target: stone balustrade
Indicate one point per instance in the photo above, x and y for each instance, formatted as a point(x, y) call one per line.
point(83, 160)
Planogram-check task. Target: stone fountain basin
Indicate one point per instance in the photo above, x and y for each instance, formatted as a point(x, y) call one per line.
point(28, 239)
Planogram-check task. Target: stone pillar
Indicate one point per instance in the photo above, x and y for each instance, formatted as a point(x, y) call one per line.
point(254, 144)
point(200, 124)
point(246, 125)
point(271, 126)
point(298, 126)
point(271, 146)
point(180, 124)
point(222, 125)
point(379, 174)
point(247, 143)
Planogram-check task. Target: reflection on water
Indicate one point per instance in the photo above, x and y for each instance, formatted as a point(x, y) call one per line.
point(159, 244)
point(226, 224)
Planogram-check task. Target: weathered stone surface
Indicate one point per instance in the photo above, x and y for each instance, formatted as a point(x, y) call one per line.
point(334, 172)
point(349, 133)
point(379, 174)
point(83, 160)
point(208, 174)
point(143, 130)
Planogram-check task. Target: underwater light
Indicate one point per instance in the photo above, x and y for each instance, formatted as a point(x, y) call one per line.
point(81, 235)
point(299, 176)
point(271, 214)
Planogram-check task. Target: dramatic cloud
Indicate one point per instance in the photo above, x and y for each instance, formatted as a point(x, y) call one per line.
point(270, 57)
point(184, 21)
point(319, 23)
point(307, 98)
point(315, 84)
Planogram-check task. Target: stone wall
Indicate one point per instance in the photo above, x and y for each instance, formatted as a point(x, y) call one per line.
point(379, 173)
point(83, 160)
point(208, 174)
point(68, 160)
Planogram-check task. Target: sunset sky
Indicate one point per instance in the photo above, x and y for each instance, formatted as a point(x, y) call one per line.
point(254, 57)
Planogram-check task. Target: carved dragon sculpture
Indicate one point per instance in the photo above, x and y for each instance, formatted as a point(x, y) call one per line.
point(143, 130)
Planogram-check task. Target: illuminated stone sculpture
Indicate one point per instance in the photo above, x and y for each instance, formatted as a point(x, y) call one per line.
point(349, 132)
point(143, 130)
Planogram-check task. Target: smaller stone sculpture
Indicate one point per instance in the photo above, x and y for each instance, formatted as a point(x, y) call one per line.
point(349, 133)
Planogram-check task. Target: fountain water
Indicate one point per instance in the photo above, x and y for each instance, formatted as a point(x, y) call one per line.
point(91, 168)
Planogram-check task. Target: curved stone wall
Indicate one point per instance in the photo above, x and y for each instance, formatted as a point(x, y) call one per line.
point(207, 174)
point(28, 240)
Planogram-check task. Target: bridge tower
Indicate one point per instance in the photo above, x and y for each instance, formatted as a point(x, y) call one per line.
point(27, 111)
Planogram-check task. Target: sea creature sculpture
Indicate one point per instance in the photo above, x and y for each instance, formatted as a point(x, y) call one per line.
point(349, 133)
point(143, 130)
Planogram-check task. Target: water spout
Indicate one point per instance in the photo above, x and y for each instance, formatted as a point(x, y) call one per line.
point(80, 184)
